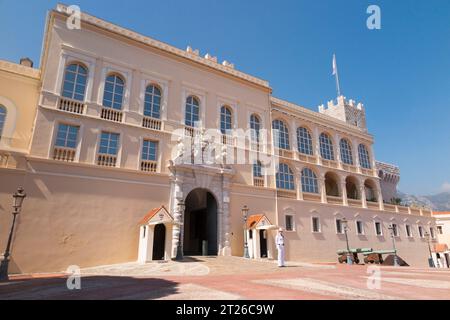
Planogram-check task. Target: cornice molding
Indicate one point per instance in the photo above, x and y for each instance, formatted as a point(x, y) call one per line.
point(318, 118)
point(60, 8)
point(20, 69)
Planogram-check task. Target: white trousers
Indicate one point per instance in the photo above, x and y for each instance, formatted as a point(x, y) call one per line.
point(280, 256)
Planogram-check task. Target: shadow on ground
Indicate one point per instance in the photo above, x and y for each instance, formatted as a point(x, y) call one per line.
point(92, 288)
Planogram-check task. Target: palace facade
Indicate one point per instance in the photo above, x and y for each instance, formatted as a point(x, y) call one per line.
point(105, 139)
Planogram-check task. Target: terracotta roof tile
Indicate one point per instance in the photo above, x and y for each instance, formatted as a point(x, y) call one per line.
point(253, 220)
point(440, 247)
point(441, 212)
point(151, 214)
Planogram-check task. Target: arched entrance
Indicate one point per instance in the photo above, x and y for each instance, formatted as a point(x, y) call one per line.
point(159, 241)
point(200, 223)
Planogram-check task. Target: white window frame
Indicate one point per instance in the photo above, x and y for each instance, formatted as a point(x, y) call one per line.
point(362, 228)
point(292, 221)
point(54, 132)
point(336, 227)
point(126, 74)
point(410, 235)
point(375, 228)
point(192, 90)
point(419, 227)
point(119, 151)
point(158, 156)
point(147, 80)
point(319, 224)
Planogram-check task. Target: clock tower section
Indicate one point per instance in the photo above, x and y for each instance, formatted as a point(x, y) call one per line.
point(346, 110)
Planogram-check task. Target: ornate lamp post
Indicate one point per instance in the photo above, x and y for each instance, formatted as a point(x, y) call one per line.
point(430, 259)
point(18, 197)
point(392, 229)
point(181, 207)
point(349, 254)
point(245, 216)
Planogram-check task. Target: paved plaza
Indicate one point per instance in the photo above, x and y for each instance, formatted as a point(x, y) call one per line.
point(231, 278)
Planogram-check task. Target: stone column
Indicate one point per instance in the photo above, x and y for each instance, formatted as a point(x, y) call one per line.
point(338, 150)
point(322, 189)
point(362, 191)
point(344, 192)
point(316, 141)
point(177, 230)
point(225, 221)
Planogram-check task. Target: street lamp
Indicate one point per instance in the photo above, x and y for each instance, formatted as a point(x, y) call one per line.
point(245, 214)
point(181, 207)
point(349, 254)
point(392, 229)
point(17, 207)
point(430, 260)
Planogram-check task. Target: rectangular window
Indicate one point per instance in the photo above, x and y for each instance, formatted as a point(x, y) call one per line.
point(339, 226)
point(109, 143)
point(149, 150)
point(289, 223)
point(439, 229)
point(432, 233)
point(420, 231)
point(408, 231)
point(315, 224)
point(395, 230)
point(359, 227)
point(378, 230)
point(67, 136)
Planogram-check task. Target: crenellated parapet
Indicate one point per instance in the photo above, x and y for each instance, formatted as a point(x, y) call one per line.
point(345, 110)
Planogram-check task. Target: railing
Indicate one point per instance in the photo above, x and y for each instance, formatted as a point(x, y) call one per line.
point(291, 194)
point(258, 182)
point(189, 131)
point(329, 163)
point(106, 160)
point(64, 154)
point(151, 123)
point(149, 166)
point(373, 205)
point(111, 114)
point(403, 209)
point(354, 202)
point(311, 196)
point(227, 140)
point(390, 207)
point(4, 157)
point(70, 105)
point(283, 153)
point(306, 158)
point(368, 172)
point(348, 167)
point(334, 200)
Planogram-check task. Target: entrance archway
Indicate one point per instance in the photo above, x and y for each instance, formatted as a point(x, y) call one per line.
point(159, 240)
point(200, 223)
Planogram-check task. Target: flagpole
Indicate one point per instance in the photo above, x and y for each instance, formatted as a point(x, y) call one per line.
point(336, 73)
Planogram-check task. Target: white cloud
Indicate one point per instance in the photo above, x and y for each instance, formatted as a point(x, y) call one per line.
point(445, 187)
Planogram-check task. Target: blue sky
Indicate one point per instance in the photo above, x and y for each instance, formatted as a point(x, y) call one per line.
point(401, 72)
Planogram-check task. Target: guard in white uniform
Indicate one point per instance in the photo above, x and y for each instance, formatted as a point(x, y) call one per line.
point(279, 241)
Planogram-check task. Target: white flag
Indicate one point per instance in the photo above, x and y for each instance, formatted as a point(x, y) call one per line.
point(334, 65)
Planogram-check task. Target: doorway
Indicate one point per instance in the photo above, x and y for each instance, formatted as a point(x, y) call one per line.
point(263, 243)
point(159, 240)
point(200, 224)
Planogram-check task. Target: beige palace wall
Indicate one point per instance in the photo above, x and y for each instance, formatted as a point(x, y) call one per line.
point(76, 215)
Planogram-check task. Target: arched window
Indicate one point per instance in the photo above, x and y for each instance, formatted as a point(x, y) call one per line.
point(326, 147)
point(255, 126)
point(2, 118)
point(257, 170)
point(225, 119)
point(304, 141)
point(114, 91)
point(364, 159)
point(280, 135)
point(285, 177)
point(309, 181)
point(192, 111)
point(75, 79)
point(346, 152)
point(152, 102)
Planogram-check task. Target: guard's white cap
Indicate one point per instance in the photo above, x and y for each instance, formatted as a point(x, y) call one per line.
point(281, 229)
